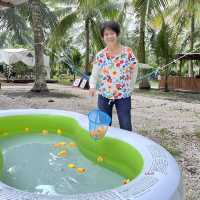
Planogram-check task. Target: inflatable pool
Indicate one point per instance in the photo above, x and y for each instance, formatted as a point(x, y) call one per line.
point(149, 171)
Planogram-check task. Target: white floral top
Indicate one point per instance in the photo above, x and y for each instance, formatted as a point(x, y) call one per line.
point(114, 76)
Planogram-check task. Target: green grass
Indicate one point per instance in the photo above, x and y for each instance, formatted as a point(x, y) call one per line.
point(65, 82)
point(172, 150)
point(66, 79)
point(166, 143)
point(163, 133)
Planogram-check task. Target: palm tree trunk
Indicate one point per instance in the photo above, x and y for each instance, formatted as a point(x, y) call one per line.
point(87, 36)
point(141, 46)
point(40, 72)
point(166, 74)
point(144, 84)
point(191, 73)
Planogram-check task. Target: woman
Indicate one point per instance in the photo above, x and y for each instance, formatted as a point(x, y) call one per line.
point(113, 75)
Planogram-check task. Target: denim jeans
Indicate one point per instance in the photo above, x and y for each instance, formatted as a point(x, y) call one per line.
point(123, 107)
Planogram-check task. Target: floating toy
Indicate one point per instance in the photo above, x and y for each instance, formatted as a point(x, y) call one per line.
point(44, 132)
point(126, 181)
point(71, 165)
point(27, 129)
point(59, 132)
point(100, 159)
point(62, 153)
point(72, 145)
point(81, 170)
point(99, 133)
point(59, 144)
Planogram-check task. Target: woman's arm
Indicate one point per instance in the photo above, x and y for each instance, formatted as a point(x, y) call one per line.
point(93, 79)
point(94, 76)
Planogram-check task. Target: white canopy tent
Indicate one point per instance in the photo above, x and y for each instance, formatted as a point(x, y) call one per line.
point(12, 56)
point(10, 3)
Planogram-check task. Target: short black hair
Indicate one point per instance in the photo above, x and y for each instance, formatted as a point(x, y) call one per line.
point(114, 26)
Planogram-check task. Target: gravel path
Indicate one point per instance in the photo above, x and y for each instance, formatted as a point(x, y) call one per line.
point(173, 120)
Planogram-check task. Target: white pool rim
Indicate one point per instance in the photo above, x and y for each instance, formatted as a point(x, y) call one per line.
point(160, 178)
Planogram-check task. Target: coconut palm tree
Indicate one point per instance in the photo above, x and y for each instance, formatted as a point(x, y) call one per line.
point(188, 11)
point(14, 28)
point(37, 8)
point(91, 12)
point(144, 9)
point(164, 46)
point(183, 17)
point(40, 73)
point(16, 22)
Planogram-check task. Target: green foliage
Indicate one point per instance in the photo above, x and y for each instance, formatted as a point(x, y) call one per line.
point(63, 27)
point(14, 27)
point(72, 60)
point(172, 150)
point(166, 143)
point(22, 70)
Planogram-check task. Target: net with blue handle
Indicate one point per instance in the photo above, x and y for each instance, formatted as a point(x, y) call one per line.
point(98, 123)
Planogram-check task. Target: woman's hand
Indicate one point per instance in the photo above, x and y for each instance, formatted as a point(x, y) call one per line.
point(92, 92)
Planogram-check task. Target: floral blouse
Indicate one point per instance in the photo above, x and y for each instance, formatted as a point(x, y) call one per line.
point(114, 76)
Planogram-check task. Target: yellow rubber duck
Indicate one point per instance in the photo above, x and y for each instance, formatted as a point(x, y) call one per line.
point(44, 132)
point(101, 131)
point(100, 159)
point(72, 145)
point(126, 181)
point(62, 153)
point(59, 144)
point(81, 170)
point(27, 129)
point(93, 133)
point(71, 165)
point(59, 131)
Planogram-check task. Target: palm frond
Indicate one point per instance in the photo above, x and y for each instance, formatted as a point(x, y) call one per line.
point(110, 11)
point(141, 6)
point(97, 41)
point(62, 27)
point(15, 23)
point(3, 37)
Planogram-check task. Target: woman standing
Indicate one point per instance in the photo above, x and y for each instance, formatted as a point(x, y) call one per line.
point(113, 75)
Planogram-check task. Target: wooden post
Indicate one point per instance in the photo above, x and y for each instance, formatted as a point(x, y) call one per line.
point(180, 67)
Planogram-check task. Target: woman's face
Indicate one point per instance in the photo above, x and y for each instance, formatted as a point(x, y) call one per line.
point(110, 37)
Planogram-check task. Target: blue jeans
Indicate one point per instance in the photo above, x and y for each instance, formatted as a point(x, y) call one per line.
point(123, 107)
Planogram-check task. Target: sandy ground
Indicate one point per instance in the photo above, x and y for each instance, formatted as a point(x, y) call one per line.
point(172, 120)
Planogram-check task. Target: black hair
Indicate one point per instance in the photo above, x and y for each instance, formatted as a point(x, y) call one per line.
point(114, 26)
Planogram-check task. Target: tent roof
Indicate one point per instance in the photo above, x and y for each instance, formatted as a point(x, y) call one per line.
point(14, 50)
point(10, 3)
point(12, 56)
